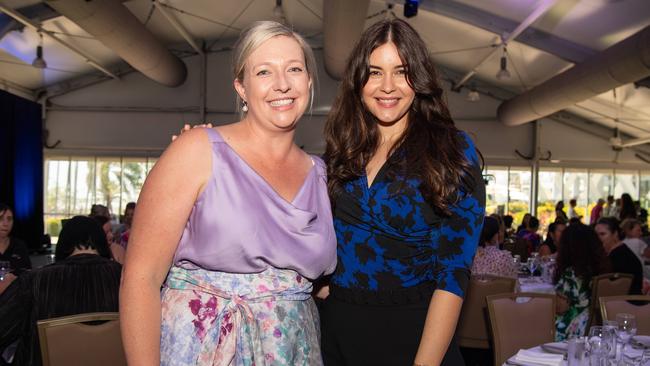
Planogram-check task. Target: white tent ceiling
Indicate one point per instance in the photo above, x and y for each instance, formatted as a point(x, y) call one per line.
point(460, 33)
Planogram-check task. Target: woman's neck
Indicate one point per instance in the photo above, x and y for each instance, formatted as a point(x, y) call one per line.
point(609, 248)
point(78, 251)
point(4, 243)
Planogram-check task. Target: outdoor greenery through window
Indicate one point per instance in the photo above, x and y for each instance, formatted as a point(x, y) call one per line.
point(74, 184)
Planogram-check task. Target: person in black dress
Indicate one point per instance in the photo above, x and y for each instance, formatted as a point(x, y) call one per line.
point(409, 202)
point(622, 259)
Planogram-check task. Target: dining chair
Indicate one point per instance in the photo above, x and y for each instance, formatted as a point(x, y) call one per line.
point(83, 339)
point(472, 330)
point(637, 305)
point(607, 284)
point(522, 320)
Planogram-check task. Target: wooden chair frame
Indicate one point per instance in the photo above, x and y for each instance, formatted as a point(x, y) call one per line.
point(474, 342)
point(603, 301)
point(501, 359)
point(594, 310)
point(43, 325)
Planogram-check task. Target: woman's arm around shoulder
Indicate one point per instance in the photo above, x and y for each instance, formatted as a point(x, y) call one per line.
point(165, 203)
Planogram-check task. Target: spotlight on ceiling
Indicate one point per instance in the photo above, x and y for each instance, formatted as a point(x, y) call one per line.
point(503, 72)
point(411, 8)
point(39, 61)
point(473, 95)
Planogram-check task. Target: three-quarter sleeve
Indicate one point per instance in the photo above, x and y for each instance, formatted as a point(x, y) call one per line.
point(455, 243)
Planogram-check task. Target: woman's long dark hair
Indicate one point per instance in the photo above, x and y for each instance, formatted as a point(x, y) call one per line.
point(581, 250)
point(628, 211)
point(431, 145)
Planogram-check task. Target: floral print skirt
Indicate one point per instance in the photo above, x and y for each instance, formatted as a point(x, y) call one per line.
point(218, 318)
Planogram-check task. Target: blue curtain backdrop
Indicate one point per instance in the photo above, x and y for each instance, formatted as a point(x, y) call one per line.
point(21, 165)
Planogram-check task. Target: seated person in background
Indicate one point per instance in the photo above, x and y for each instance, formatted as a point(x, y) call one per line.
point(501, 237)
point(553, 238)
point(127, 220)
point(99, 210)
point(580, 257)
point(622, 259)
point(116, 249)
point(524, 223)
point(84, 279)
point(489, 259)
point(530, 234)
point(507, 221)
point(12, 249)
point(632, 232)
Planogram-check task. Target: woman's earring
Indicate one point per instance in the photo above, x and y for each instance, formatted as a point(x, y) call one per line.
point(244, 107)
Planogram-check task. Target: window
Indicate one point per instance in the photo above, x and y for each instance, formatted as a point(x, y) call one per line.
point(548, 194)
point(74, 184)
point(576, 187)
point(519, 193)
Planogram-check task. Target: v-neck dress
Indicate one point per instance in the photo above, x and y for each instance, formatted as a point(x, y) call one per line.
point(238, 292)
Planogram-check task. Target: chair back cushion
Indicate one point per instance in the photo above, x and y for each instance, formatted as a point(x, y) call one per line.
point(472, 330)
point(637, 305)
point(85, 339)
point(608, 284)
point(519, 321)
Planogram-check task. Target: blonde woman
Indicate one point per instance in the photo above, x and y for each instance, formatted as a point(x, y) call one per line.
point(248, 227)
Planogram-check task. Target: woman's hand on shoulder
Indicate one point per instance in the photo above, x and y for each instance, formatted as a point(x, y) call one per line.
point(186, 127)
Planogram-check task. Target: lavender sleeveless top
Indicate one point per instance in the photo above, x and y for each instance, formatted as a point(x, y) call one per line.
point(239, 224)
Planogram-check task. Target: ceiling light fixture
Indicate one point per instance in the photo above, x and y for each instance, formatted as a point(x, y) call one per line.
point(39, 61)
point(503, 72)
point(473, 95)
point(411, 8)
point(278, 12)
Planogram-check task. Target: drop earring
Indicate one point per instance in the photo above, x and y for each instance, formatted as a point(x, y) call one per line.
point(244, 107)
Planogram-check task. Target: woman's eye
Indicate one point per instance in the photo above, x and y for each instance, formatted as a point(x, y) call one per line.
point(296, 69)
point(374, 73)
point(400, 72)
point(262, 72)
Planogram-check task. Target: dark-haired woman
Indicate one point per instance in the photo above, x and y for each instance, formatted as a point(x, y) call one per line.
point(12, 249)
point(408, 201)
point(84, 279)
point(628, 210)
point(580, 256)
point(622, 259)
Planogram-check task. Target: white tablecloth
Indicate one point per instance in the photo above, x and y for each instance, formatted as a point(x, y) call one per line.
point(534, 284)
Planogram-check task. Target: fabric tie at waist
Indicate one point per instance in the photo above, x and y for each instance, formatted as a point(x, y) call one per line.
point(234, 329)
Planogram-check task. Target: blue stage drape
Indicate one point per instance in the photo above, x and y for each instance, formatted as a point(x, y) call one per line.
point(21, 165)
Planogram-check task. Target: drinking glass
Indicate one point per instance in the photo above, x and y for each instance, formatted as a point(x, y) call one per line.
point(599, 345)
point(626, 328)
point(577, 351)
point(612, 327)
point(5, 267)
point(532, 265)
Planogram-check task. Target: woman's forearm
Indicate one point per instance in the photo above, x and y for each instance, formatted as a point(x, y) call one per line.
point(140, 321)
point(439, 328)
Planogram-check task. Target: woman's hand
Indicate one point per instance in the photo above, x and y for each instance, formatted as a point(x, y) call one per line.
point(186, 127)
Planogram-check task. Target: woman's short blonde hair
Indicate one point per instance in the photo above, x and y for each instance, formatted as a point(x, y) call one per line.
point(259, 32)
point(629, 224)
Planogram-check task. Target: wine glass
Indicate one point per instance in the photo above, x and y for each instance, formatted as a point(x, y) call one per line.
point(626, 328)
point(5, 268)
point(531, 263)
